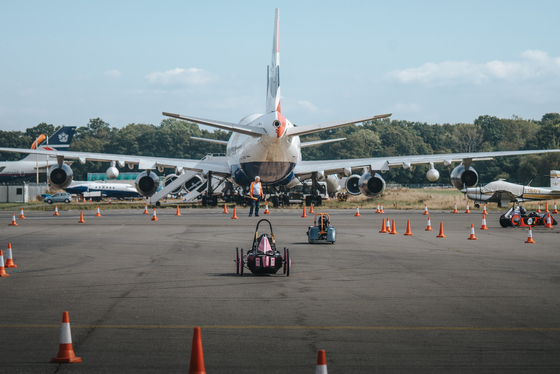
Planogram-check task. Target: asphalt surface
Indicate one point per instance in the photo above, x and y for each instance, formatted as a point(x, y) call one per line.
point(134, 290)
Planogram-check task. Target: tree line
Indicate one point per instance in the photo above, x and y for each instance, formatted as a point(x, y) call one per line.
point(386, 137)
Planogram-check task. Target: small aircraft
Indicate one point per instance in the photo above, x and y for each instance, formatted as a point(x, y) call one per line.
point(268, 145)
point(503, 192)
point(115, 190)
point(27, 167)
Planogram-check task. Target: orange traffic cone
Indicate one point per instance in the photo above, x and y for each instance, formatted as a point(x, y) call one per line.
point(383, 229)
point(81, 217)
point(429, 228)
point(408, 232)
point(472, 237)
point(154, 217)
point(56, 211)
point(225, 208)
point(90, 200)
point(484, 210)
point(2, 270)
point(394, 229)
point(98, 214)
point(388, 226)
point(455, 210)
point(530, 237)
point(21, 216)
point(467, 211)
point(178, 213)
point(440, 235)
point(539, 208)
point(321, 367)
point(545, 208)
point(65, 351)
point(426, 210)
point(381, 211)
point(555, 211)
point(304, 215)
point(146, 209)
point(357, 212)
point(235, 213)
point(109, 200)
point(484, 227)
point(197, 356)
point(266, 211)
point(311, 208)
point(9, 260)
point(13, 221)
point(378, 210)
point(548, 221)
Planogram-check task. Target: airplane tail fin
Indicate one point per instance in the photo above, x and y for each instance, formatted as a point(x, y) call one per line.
point(273, 71)
point(555, 180)
point(60, 140)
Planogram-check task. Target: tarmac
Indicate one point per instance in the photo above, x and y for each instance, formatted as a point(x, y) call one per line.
point(135, 289)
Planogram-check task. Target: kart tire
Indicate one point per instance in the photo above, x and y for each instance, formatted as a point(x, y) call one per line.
point(284, 264)
point(287, 262)
point(237, 260)
point(504, 222)
point(241, 268)
point(516, 221)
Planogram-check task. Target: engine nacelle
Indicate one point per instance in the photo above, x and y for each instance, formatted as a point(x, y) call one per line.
point(112, 172)
point(371, 185)
point(195, 180)
point(60, 177)
point(352, 186)
point(147, 183)
point(432, 175)
point(169, 179)
point(333, 185)
point(461, 177)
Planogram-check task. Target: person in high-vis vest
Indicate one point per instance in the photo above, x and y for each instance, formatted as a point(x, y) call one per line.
point(255, 193)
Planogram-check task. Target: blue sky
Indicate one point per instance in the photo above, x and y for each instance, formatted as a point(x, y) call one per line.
point(64, 62)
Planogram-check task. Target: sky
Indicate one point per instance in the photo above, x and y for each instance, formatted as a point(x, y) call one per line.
point(64, 62)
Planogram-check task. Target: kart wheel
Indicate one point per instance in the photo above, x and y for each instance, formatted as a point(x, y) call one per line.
point(241, 263)
point(287, 262)
point(516, 221)
point(237, 260)
point(284, 264)
point(504, 221)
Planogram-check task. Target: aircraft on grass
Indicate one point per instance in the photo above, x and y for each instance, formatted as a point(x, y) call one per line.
point(268, 145)
point(503, 192)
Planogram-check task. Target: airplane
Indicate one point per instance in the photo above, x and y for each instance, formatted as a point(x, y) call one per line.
point(27, 167)
point(503, 192)
point(115, 190)
point(268, 145)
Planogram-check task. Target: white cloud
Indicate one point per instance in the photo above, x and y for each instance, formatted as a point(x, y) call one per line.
point(533, 64)
point(307, 105)
point(181, 77)
point(113, 74)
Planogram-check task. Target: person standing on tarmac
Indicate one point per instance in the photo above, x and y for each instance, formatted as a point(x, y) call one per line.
point(255, 193)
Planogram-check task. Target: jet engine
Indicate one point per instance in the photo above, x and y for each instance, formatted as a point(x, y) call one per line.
point(147, 183)
point(60, 177)
point(352, 186)
point(461, 177)
point(169, 179)
point(371, 185)
point(195, 180)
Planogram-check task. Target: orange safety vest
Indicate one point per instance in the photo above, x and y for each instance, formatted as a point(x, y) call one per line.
point(253, 185)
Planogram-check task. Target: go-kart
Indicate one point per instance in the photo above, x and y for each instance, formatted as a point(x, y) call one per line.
point(519, 217)
point(321, 231)
point(263, 258)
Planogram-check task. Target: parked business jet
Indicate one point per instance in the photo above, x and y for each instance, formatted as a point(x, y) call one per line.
point(27, 167)
point(115, 190)
point(268, 145)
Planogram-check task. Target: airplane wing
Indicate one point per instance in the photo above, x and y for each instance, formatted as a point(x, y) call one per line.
point(216, 164)
point(308, 129)
point(228, 126)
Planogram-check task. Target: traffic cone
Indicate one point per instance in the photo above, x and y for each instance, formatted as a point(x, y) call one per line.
point(109, 200)
point(378, 210)
point(13, 221)
point(2, 270)
point(225, 208)
point(56, 211)
point(357, 212)
point(321, 367)
point(21, 216)
point(426, 210)
point(381, 211)
point(548, 221)
point(9, 260)
point(65, 351)
point(394, 229)
point(555, 211)
point(235, 213)
point(311, 208)
point(484, 227)
point(266, 211)
point(90, 200)
point(81, 217)
point(484, 210)
point(388, 226)
point(530, 237)
point(545, 208)
point(455, 210)
point(154, 217)
point(146, 209)
point(539, 208)
point(408, 232)
point(429, 227)
point(178, 213)
point(440, 235)
point(472, 237)
point(98, 214)
point(197, 356)
point(304, 215)
point(383, 229)
point(467, 211)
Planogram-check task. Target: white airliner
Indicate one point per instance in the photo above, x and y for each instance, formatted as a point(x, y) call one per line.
point(268, 145)
point(117, 190)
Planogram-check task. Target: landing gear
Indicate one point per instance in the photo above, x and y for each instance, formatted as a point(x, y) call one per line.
point(209, 198)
